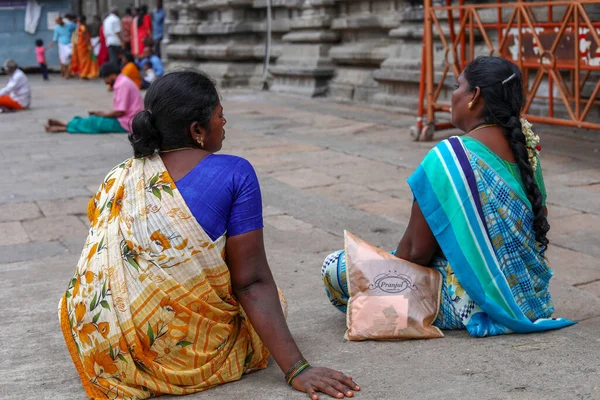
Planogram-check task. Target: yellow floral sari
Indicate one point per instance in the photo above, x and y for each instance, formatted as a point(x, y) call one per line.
point(150, 309)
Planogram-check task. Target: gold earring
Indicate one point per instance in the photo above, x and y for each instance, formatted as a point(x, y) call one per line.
point(470, 105)
point(200, 142)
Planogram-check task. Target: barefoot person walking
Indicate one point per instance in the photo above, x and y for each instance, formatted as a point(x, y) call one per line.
point(63, 36)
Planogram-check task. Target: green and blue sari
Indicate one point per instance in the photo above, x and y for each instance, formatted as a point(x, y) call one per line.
point(495, 273)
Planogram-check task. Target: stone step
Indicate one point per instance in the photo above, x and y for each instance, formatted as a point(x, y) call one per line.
point(231, 52)
point(365, 53)
point(371, 21)
point(209, 5)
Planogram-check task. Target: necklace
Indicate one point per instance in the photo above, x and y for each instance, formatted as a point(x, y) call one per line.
point(172, 150)
point(481, 127)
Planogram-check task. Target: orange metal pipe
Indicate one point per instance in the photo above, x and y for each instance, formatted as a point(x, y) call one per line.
point(520, 25)
point(429, 61)
point(562, 122)
point(525, 19)
point(471, 37)
point(590, 102)
point(577, 89)
point(550, 96)
point(451, 22)
point(463, 41)
point(443, 125)
point(500, 21)
point(421, 110)
point(541, 25)
point(442, 107)
point(512, 4)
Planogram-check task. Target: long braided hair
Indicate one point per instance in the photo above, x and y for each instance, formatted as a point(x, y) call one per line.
point(501, 86)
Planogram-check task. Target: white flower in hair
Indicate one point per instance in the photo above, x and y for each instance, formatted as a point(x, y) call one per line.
point(532, 142)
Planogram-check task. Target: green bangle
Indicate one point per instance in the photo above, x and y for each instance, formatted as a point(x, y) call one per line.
point(296, 370)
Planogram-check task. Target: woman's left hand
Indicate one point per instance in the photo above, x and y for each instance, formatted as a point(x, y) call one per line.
point(325, 380)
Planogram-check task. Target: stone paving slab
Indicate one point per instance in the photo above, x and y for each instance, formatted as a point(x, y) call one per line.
point(593, 287)
point(349, 193)
point(55, 208)
point(55, 228)
point(573, 267)
point(13, 233)
point(323, 167)
point(19, 212)
point(305, 178)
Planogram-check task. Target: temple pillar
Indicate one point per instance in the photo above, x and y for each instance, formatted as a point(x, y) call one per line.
point(304, 66)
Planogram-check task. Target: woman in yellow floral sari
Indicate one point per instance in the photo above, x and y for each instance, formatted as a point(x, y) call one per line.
point(173, 293)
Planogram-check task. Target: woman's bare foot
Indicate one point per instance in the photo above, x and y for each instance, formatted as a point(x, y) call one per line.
point(54, 129)
point(55, 122)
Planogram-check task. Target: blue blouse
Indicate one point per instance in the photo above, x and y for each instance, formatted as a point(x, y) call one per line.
point(223, 194)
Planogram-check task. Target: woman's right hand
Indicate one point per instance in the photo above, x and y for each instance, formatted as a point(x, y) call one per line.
point(325, 380)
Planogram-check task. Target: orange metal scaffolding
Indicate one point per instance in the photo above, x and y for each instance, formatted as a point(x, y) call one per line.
point(564, 48)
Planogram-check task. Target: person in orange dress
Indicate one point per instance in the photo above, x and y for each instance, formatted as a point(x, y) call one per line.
point(84, 63)
point(130, 69)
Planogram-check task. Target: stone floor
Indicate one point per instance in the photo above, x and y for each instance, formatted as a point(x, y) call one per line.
point(324, 167)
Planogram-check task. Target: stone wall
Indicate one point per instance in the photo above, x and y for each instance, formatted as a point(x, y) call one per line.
point(224, 38)
point(350, 50)
point(365, 42)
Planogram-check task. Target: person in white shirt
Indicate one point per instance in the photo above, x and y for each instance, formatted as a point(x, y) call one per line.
point(112, 33)
point(149, 75)
point(16, 95)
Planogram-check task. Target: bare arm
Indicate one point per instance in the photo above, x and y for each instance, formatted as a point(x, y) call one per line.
point(255, 289)
point(418, 245)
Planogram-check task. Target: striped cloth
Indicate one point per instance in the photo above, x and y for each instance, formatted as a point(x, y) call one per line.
point(496, 274)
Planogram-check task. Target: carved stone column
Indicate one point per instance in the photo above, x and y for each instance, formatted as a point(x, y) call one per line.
point(304, 66)
point(365, 43)
point(400, 74)
point(224, 38)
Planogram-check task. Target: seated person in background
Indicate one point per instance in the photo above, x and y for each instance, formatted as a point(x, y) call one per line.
point(127, 102)
point(149, 75)
point(130, 69)
point(157, 64)
point(16, 95)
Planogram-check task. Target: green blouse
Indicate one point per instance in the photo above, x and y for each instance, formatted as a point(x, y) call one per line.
point(486, 154)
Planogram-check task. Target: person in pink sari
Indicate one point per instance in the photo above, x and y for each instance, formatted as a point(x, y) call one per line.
point(141, 31)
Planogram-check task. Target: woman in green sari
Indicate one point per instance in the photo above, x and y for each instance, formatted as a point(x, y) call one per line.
point(479, 214)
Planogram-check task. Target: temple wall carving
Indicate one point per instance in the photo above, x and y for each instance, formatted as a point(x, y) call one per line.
point(351, 50)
